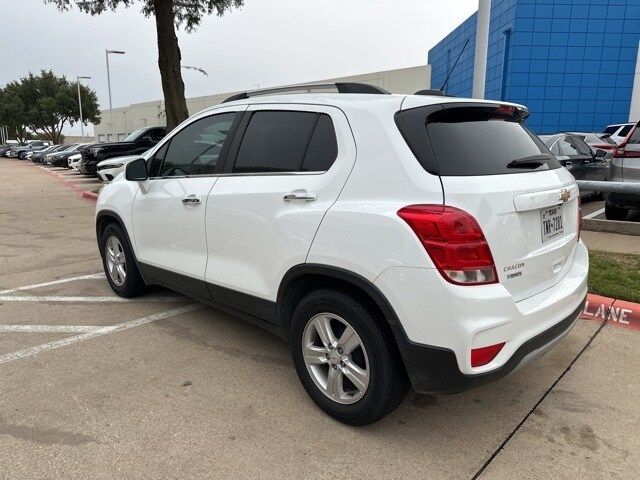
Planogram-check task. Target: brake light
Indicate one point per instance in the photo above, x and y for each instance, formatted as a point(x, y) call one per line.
point(482, 356)
point(508, 110)
point(454, 241)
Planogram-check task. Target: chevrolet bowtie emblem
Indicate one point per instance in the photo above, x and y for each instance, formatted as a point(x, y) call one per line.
point(565, 195)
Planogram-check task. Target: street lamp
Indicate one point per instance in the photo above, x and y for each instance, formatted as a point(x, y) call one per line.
point(106, 54)
point(78, 78)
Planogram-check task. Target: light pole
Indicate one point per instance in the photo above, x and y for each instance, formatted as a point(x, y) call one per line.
point(106, 54)
point(78, 78)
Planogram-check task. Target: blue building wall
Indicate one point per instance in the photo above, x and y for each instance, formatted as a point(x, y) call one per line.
point(572, 62)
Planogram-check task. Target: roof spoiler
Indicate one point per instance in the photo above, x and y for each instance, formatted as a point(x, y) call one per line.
point(431, 91)
point(308, 88)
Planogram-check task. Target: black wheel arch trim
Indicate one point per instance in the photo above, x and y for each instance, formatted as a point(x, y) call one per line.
point(118, 218)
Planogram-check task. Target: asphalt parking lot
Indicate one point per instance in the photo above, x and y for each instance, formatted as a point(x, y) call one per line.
point(93, 386)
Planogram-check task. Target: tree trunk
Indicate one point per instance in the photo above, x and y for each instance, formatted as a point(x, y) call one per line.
point(169, 59)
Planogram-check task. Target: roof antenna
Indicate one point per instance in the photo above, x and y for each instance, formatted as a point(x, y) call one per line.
point(454, 65)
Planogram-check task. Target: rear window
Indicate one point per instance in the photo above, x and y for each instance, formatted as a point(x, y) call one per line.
point(470, 142)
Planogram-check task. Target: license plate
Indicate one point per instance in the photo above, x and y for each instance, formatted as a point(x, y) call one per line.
point(551, 222)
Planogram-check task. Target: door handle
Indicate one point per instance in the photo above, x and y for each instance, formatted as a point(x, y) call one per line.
point(191, 200)
point(301, 195)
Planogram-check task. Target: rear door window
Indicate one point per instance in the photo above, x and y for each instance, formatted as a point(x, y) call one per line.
point(287, 141)
point(469, 142)
point(612, 129)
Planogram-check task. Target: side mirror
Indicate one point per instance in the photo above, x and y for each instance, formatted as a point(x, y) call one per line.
point(600, 153)
point(136, 171)
point(147, 141)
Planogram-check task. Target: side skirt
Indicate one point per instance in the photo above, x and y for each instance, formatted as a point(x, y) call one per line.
point(257, 311)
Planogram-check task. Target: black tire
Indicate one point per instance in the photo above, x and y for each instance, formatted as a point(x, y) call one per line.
point(134, 284)
point(388, 383)
point(612, 212)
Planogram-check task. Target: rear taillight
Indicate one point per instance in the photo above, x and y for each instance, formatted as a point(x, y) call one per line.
point(482, 356)
point(454, 241)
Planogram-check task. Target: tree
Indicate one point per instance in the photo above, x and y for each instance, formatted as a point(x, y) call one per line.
point(46, 103)
point(13, 112)
point(169, 14)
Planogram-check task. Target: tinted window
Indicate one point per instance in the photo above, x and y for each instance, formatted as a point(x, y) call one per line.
point(156, 134)
point(275, 141)
point(581, 146)
point(156, 161)
point(469, 143)
point(196, 148)
point(611, 129)
point(567, 148)
point(323, 147)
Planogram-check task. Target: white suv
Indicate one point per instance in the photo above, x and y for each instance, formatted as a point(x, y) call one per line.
point(393, 240)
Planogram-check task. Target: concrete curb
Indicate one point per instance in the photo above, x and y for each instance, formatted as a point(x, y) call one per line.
point(618, 313)
point(77, 189)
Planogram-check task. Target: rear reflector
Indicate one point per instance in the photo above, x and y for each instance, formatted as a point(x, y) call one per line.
point(482, 356)
point(454, 241)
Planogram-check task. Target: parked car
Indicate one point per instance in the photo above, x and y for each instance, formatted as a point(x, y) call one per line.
point(18, 151)
point(38, 157)
point(74, 160)
point(25, 153)
point(444, 256)
point(625, 167)
point(109, 169)
point(59, 159)
point(597, 141)
point(576, 156)
point(135, 143)
point(618, 132)
point(5, 148)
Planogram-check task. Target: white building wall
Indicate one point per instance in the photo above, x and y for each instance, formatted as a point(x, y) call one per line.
point(127, 119)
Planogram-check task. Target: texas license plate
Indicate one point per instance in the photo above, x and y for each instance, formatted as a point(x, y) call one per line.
point(551, 223)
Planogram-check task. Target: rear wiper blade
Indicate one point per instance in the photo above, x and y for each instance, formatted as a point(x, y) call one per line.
point(532, 161)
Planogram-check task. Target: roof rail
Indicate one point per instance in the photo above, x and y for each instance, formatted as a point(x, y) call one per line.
point(434, 92)
point(340, 86)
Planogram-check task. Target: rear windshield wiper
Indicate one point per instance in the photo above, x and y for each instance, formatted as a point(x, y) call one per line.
point(532, 161)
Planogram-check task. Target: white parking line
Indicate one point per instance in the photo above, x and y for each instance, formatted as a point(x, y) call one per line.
point(112, 299)
point(594, 214)
point(28, 352)
point(54, 282)
point(48, 328)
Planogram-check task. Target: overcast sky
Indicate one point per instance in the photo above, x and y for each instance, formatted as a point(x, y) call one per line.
point(265, 43)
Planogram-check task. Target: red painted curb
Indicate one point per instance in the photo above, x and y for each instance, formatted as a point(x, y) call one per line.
point(617, 313)
point(79, 191)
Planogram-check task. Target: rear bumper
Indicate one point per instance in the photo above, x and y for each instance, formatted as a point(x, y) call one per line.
point(440, 323)
point(446, 377)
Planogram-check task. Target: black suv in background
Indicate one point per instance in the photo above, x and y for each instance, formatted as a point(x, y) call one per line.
point(135, 143)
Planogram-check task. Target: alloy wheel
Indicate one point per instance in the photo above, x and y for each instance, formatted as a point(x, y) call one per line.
point(336, 358)
point(116, 261)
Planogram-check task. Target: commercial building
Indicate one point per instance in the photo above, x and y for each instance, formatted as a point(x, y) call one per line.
point(127, 119)
point(573, 63)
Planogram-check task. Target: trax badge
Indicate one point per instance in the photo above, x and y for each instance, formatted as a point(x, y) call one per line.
point(565, 194)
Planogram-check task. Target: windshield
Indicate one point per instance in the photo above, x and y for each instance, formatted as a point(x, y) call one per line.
point(133, 135)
